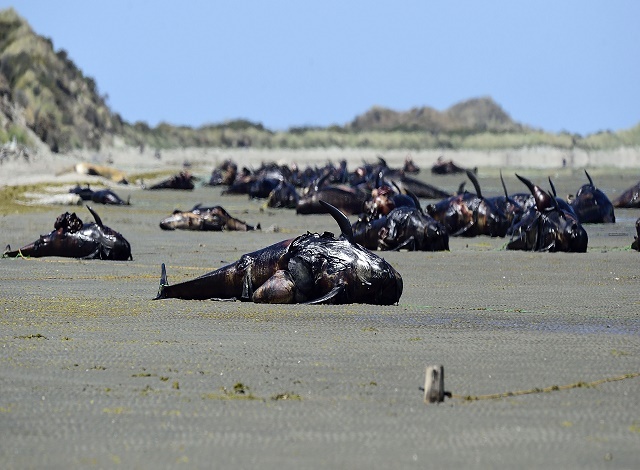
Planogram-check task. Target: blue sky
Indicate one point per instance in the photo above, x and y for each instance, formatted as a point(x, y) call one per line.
point(555, 65)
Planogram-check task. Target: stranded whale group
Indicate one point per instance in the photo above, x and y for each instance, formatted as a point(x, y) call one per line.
point(322, 268)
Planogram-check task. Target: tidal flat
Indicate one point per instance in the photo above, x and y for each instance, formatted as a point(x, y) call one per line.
point(93, 373)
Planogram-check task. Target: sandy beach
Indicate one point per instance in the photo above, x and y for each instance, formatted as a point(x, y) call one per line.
point(540, 351)
point(44, 166)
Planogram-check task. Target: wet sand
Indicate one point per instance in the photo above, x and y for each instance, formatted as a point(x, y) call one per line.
point(95, 374)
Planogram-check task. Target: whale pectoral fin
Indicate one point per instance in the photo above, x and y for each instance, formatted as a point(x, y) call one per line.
point(278, 289)
point(464, 230)
point(330, 297)
point(409, 244)
point(95, 254)
point(163, 283)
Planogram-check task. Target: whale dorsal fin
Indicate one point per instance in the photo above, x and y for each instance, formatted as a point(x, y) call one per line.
point(504, 186)
point(589, 178)
point(543, 200)
point(96, 217)
point(415, 199)
point(341, 219)
point(553, 187)
point(476, 185)
point(320, 181)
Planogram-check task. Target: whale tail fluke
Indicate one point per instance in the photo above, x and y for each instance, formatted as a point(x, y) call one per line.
point(163, 283)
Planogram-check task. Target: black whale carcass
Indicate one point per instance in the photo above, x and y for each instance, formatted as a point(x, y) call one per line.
point(284, 195)
point(629, 199)
point(411, 229)
point(636, 242)
point(347, 199)
point(312, 268)
point(592, 206)
point(71, 238)
point(470, 215)
point(214, 219)
point(547, 227)
point(101, 196)
point(448, 167)
point(182, 181)
point(395, 223)
point(224, 174)
point(512, 206)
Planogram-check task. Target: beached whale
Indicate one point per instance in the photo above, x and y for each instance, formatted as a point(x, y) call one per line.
point(183, 181)
point(71, 238)
point(470, 215)
point(102, 196)
point(396, 222)
point(312, 268)
point(214, 218)
point(629, 199)
point(348, 199)
point(592, 206)
point(547, 227)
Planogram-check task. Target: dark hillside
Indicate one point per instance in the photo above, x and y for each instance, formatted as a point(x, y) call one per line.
point(466, 117)
point(55, 99)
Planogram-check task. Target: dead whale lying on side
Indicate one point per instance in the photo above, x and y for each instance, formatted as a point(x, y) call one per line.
point(629, 199)
point(312, 268)
point(214, 218)
point(101, 196)
point(183, 180)
point(73, 239)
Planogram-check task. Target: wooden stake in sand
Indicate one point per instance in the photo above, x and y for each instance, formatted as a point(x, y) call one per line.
point(434, 384)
